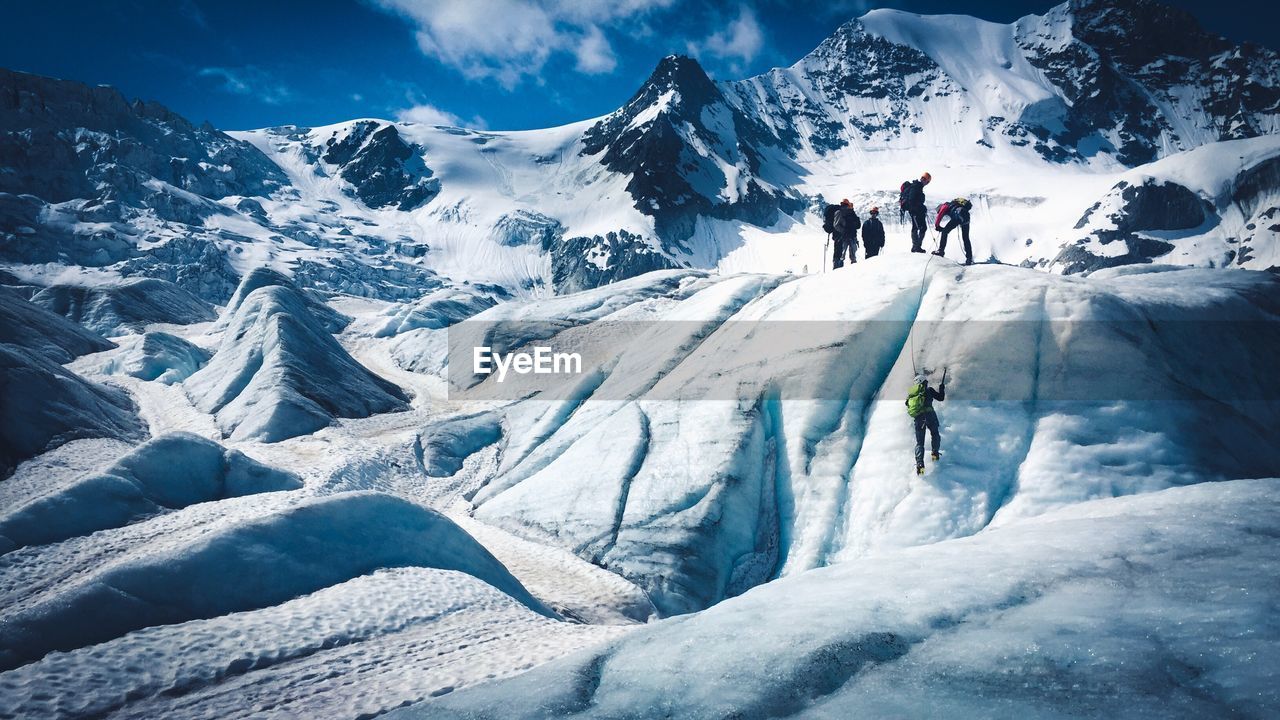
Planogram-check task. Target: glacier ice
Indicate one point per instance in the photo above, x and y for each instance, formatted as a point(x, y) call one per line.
point(31, 326)
point(154, 356)
point(263, 276)
point(1150, 606)
point(283, 548)
point(168, 472)
point(712, 457)
point(43, 405)
point(278, 373)
point(126, 306)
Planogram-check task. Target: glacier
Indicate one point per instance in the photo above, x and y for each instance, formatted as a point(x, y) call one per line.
point(1060, 391)
point(246, 469)
point(1087, 611)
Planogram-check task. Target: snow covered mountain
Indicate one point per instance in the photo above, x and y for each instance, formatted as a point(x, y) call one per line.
point(246, 469)
point(1034, 121)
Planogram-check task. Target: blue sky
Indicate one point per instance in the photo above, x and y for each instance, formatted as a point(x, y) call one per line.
point(500, 64)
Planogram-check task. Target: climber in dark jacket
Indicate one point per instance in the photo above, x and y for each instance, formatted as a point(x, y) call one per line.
point(911, 201)
point(846, 234)
point(920, 408)
point(951, 215)
point(873, 234)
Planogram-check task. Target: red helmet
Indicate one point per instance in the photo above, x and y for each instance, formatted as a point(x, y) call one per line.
point(845, 202)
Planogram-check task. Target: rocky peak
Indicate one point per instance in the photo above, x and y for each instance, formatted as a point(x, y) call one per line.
point(382, 168)
point(1136, 32)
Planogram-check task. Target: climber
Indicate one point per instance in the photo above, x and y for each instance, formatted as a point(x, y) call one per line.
point(873, 234)
point(911, 202)
point(829, 219)
point(846, 234)
point(954, 213)
point(920, 408)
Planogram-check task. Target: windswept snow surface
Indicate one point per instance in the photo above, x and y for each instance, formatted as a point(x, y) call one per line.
point(1156, 606)
point(356, 649)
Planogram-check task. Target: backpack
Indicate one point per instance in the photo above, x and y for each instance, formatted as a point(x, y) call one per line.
point(829, 218)
point(846, 222)
point(904, 195)
point(943, 209)
point(918, 400)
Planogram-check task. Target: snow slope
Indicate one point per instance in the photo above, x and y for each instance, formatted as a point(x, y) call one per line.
point(1032, 120)
point(31, 326)
point(1216, 205)
point(129, 306)
point(363, 647)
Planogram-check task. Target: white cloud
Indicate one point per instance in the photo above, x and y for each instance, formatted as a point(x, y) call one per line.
point(741, 41)
point(595, 55)
point(249, 81)
point(509, 40)
point(428, 115)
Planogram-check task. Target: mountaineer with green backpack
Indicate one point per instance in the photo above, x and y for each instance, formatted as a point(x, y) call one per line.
point(920, 408)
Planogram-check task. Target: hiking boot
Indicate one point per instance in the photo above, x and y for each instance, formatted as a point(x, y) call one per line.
point(935, 457)
point(968, 261)
point(939, 253)
point(917, 250)
point(920, 470)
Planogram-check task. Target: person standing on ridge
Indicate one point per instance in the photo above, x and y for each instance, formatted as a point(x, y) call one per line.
point(846, 234)
point(829, 224)
point(920, 408)
point(873, 234)
point(911, 202)
point(955, 214)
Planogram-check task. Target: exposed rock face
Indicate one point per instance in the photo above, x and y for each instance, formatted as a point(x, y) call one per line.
point(582, 263)
point(1127, 212)
point(382, 169)
point(64, 140)
point(674, 139)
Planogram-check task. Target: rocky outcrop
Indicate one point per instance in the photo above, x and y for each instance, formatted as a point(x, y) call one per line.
point(1124, 215)
point(381, 168)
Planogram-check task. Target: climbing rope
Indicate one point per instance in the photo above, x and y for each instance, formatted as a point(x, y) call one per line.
point(911, 334)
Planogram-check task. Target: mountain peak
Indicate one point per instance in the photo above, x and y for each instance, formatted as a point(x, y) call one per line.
point(1136, 30)
point(683, 73)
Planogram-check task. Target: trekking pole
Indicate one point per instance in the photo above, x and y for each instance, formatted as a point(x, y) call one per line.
point(825, 248)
